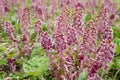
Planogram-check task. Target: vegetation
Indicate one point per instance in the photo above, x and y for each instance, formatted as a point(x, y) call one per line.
point(59, 40)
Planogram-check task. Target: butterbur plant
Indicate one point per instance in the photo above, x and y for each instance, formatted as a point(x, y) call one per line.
point(93, 52)
point(25, 33)
point(77, 44)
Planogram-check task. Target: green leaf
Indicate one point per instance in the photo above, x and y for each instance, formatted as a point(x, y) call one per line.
point(2, 76)
point(38, 51)
point(11, 54)
point(36, 66)
point(88, 17)
point(3, 61)
point(75, 58)
point(2, 48)
point(72, 11)
point(45, 27)
point(116, 31)
point(117, 41)
point(18, 76)
point(117, 62)
point(17, 28)
point(58, 12)
point(83, 75)
point(33, 21)
point(117, 49)
point(28, 3)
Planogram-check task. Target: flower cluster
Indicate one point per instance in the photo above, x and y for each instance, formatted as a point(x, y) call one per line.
point(78, 19)
point(90, 37)
point(39, 11)
point(60, 42)
point(46, 42)
point(27, 49)
point(96, 65)
point(62, 22)
point(25, 23)
point(11, 63)
point(38, 26)
point(10, 30)
point(71, 36)
point(105, 52)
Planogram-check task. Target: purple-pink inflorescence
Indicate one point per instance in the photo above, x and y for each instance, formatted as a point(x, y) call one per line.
point(38, 26)
point(46, 41)
point(60, 42)
point(71, 36)
point(78, 19)
point(25, 23)
point(10, 30)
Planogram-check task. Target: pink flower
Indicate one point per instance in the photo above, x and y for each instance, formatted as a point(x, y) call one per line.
point(95, 67)
point(71, 35)
point(38, 26)
point(60, 42)
point(9, 27)
point(105, 52)
point(112, 16)
point(78, 19)
point(25, 23)
point(46, 42)
point(11, 63)
point(10, 30)
point(7, 8)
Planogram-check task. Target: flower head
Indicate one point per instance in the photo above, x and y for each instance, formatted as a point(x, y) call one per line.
point(78, 19)
point(60, 42)
point(9, 27)
point(38, 27)
point(46, 42)
point(71, 36)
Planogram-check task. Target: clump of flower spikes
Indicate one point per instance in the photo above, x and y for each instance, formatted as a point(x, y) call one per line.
point(105, 51)
point(25, 33)
point(85, 50)
point(63, 63)
point(61, 38)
